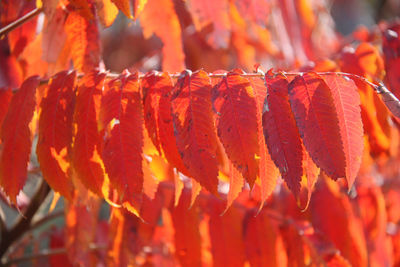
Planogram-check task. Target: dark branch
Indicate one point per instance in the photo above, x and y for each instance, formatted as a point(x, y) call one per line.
point(15, 24)
point(8, 237)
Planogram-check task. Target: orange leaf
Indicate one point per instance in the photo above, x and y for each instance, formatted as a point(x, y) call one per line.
point(281, 134)
point(317, 120)
point(159, 17)
point(187, 236)
point(85, 152)
point(122, 153)
point(83, 35)
point(158, 118)
point(205, 12)
point(55, 132)
point(16, 139)
point(107, 11)
point(347, 103)
point(194, 128)
point(124, 6)
point(235, 105)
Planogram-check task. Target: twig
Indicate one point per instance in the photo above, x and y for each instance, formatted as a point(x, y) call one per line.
point(15, 24)
point(8, 237)
point(47, 253)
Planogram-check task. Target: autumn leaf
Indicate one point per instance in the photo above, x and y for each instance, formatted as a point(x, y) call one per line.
point(86, 158)
point(194, 128)
point(122, 152)
point(281, 134)
point(16, 139)
point(83, 35)
point(158, 118)
point(347, 103)
point(235, 105)
point(317, 119)
point(55, 132)
point(158, 17)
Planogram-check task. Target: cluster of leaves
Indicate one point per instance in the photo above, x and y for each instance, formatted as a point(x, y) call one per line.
point(149, 143)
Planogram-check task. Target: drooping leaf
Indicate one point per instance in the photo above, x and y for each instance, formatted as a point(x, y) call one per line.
point(268, 173)
point(158, 118)
point(86, 157)
point(281, 134)
point(224, 230)
point(158, 17)
point(187, 236)
point(138, 6)
point(235, 105)
point(16, 139)
point(347, 103)
point(122, 152)
point(83, 36)
point(55, 132)
point(317, 120)
point(5, 98)
point(194, 129)
point(236, 183)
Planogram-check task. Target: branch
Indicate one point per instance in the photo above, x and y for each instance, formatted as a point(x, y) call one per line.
point(8, 237)
point(47, 253)
point(15, 24)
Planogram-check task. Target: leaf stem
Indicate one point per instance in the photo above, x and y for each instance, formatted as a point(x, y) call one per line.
point(15, 24)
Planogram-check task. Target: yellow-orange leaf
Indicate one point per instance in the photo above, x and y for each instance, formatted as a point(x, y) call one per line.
point(158, 17)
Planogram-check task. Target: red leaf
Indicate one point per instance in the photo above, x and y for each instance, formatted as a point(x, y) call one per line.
point(235, 104)
point(333, 216)
point(263, 241)
point(159, 17)
point(158, 117)
point(55, 132)
point(317, 120)
point(5, 98)
point(227, 245)
point(281, 134)
point(194, 128)
point(187, 236)
point(347, 103)
point(16, 139)
point(83, 36)
point(268, 172)
point(85, 153)
point(122, 153)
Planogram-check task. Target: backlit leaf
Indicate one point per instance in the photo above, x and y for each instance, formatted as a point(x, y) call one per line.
point(235, 105)
point(158, 118)
point(83, 36)
point(281, 134)
point(158, 17)
point(347, 103)
point(122, 152)
point(16, 139)
point(317, 120)
point(85, 152)
point(194, 129)
point(55, 132)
